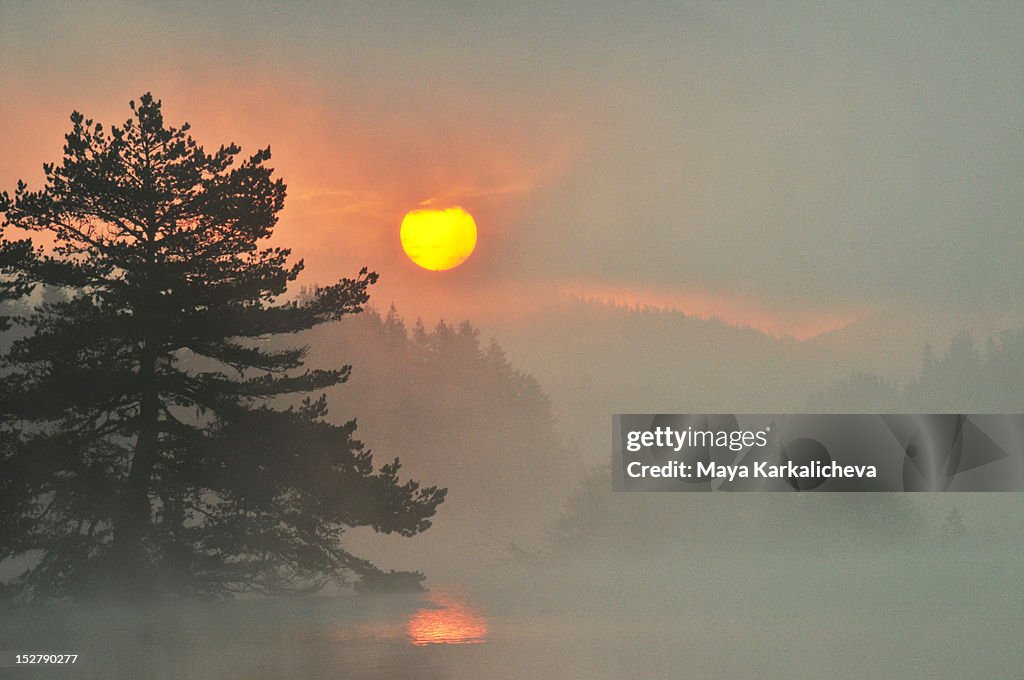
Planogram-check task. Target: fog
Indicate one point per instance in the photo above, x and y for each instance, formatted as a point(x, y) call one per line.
point(661, 611)
point(535, 568)
point(682, 208)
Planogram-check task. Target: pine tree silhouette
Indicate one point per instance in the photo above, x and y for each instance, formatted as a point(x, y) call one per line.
point(141, 447)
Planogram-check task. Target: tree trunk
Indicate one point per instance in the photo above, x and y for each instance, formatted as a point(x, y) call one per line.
point(135, 510)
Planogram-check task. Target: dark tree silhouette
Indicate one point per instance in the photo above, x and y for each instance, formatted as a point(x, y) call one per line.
point(13, 283)
point(142, 450)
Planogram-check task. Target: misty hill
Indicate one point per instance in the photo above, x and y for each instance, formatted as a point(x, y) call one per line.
point(458, 415)
point(596, 359)
point(683, 364)
point(965, 379)
point(889, 341)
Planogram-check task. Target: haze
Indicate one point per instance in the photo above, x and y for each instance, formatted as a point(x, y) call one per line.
point(818, 160)
point(712, 207)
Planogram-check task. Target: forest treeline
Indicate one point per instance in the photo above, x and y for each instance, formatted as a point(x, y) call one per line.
point(453, 406)
point(964, 379)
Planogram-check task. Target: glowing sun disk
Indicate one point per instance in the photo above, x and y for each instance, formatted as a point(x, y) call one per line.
point(438, 239)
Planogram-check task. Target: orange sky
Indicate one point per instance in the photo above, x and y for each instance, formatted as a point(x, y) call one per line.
point(352, 176)
point(750, 164)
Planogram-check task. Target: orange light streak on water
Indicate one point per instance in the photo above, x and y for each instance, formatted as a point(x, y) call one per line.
point(449, 621)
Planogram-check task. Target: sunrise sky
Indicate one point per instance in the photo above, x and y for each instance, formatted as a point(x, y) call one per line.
point(789, 165)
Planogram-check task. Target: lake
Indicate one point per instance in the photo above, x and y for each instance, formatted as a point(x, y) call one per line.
point(854, 615)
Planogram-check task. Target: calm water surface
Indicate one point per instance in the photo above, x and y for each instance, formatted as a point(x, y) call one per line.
point(852, 617)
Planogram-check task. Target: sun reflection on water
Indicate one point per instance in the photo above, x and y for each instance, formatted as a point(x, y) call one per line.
point(447, 620)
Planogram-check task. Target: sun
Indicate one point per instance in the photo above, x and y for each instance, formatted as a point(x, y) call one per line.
point(438, 239)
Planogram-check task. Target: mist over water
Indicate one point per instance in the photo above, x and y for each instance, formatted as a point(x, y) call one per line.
point(536, 569)
point(852, 614)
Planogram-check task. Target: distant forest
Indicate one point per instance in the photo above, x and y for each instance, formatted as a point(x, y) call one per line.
point(964, 378)
point(453, 407)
